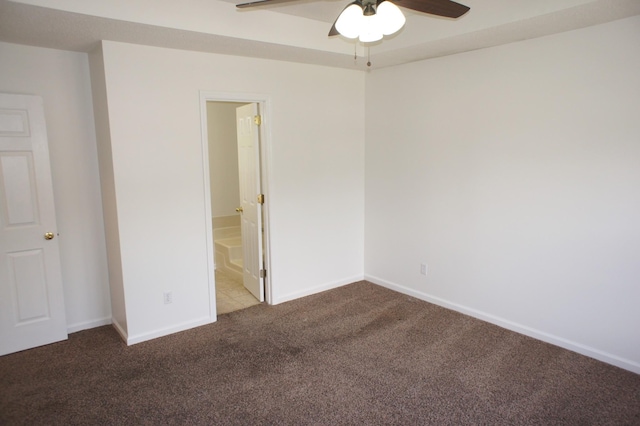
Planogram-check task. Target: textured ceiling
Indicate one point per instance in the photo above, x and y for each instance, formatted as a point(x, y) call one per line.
point(295, 31)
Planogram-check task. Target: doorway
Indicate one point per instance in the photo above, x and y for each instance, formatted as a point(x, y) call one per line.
point(236, 169)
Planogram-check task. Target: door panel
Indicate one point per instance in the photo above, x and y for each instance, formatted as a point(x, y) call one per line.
point(28, 285)
point(18, 188)
point(251, 216)
point(31, 295)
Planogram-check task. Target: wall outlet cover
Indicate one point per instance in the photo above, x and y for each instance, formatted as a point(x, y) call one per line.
point(423, 268)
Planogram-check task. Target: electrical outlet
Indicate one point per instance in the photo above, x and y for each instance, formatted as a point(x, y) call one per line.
point(423, 269)
point(168, 297)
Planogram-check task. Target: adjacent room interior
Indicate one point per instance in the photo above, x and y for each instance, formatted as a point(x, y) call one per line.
point(224, 176)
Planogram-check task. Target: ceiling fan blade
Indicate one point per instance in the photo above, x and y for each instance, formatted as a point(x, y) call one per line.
point(261, 3)
point(334, 31)
point(446, 8)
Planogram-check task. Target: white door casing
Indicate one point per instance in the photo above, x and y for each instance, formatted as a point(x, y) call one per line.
point(32, 311)
point(251, 216)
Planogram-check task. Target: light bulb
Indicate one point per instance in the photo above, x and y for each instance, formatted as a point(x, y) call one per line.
point(350, 21)
point(390, 18)
point(370, 29)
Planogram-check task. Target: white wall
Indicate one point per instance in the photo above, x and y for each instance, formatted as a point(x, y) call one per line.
point(315, 198)
point(514, 172)
point(223, 158)
point(108, 190)
point(62, 79)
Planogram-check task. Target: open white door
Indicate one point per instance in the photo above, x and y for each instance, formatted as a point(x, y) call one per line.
point(247, 120)
point(32, 309)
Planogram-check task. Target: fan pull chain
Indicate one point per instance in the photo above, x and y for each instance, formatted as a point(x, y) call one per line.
point(368, 56)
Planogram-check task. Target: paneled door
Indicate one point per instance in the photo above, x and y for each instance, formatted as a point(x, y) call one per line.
point(251, 211)
point(32, 309)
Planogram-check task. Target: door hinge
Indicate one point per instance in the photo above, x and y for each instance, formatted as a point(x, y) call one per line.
point(260, 198)
point(263, 273)
point(257, 119)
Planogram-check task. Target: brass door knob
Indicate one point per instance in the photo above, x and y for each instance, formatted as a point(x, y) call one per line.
point(239, 209)
point(48, 236)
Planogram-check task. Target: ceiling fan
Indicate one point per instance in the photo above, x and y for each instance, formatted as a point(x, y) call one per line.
point(357, 19)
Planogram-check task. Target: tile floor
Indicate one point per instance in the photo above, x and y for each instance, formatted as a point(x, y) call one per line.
point(231, 294)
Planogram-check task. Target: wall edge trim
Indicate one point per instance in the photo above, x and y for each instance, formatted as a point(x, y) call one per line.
point(579, 348)
point(119, 329)
point(317, 289)
point(85, 325)
point(161, 332)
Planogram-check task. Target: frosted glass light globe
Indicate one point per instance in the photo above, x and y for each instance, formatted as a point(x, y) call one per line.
point(370, 29)
point(350, 21)
point(390, 18)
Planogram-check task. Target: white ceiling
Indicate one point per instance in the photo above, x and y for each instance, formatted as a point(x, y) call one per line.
point(295, 31)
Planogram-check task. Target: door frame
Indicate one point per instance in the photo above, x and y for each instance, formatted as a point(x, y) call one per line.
point(264, 104)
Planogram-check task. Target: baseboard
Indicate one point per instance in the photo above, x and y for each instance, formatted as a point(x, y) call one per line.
point(119, 329)
point(317, 289)
point(73, 328)
point(510, 325)
point(143, 337)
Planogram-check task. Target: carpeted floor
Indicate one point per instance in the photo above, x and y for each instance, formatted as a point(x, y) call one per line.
point(360, 354)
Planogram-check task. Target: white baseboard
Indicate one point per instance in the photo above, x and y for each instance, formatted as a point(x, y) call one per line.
point(510, 325)
point(317, 289)
point(73, 328)
point(119, 329)
point(143, 337)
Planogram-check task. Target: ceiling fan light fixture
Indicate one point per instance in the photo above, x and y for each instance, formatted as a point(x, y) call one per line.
point(370, 23)
point(390, 18)
point(349, 22)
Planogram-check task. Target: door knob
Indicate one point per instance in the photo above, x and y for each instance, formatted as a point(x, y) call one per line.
point(48, 236)
point(239, 209)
